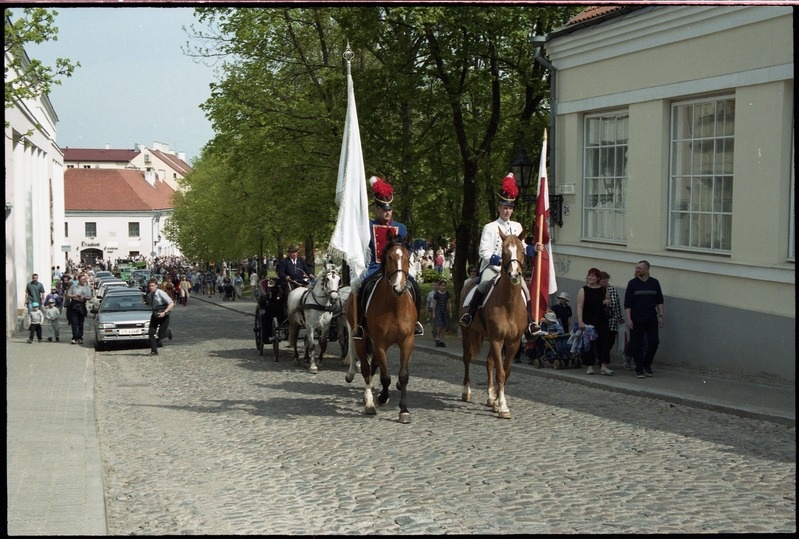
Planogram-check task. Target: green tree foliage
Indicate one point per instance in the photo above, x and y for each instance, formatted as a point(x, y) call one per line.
point(446, 96)
point(27, 78)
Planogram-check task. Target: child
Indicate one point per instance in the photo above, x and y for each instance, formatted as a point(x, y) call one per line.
point(36, 317)
point(443, 312)
point(563, 311)
point(52, 314)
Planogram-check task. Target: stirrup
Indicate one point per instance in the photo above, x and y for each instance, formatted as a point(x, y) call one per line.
point(466, 320)
point(534, 329)
point(419, 330)
point(358, 335)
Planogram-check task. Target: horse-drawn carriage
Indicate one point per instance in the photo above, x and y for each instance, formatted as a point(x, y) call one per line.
point(313, 306)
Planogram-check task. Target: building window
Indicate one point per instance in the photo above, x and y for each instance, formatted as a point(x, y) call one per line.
point(70, 166)
point(701, 176)
point(133, 230)
point(66, 230)
point(87, 166)
point(605, 177)
point(91, 230)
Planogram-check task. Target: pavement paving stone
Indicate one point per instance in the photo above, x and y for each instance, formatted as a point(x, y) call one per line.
point(578, 457)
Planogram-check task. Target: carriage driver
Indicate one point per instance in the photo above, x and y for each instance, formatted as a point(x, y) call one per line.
point(383, 195)
point(293, 268)
point(490, 252)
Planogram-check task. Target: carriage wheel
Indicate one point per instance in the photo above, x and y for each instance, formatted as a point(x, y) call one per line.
point(557, 364)
point(537, 363)
point(259, 332)
point(275, 338)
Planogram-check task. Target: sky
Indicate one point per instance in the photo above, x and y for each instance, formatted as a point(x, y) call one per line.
point(134, 86)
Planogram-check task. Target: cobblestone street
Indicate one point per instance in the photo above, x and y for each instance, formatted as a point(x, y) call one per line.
point(209, 437)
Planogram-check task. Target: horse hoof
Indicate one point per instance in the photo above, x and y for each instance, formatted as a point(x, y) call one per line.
point(349, 378)
point(313, 369)
point(490, 403)
point(466, 397)
point(495, 408)
point(370, 410)
point(381, 401)
point(405, 418)
point(504, 415)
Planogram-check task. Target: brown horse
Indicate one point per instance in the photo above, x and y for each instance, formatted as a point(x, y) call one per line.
point(503, 321)
point(390, 319)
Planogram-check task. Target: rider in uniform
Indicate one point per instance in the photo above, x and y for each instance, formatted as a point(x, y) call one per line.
point(383, 196)
point(490, 251)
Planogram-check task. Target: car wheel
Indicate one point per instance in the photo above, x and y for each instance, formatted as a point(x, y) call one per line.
point(98, 346)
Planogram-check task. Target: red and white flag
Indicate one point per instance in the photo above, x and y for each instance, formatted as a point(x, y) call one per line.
point(543, 284)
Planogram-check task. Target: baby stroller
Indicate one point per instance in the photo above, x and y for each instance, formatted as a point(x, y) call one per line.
point(552, 349)
point(229, 292)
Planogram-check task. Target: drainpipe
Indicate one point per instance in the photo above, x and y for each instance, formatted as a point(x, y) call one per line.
point(539, 41)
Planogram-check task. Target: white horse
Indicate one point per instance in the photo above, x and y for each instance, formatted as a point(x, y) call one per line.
point(312, 308)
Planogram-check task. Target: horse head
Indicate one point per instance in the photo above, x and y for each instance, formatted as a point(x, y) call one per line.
point(513, 257)
point(395, 263)
point(328, 284)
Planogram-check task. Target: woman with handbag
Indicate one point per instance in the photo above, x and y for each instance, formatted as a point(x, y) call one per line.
point(79, 293)
point(592, 305)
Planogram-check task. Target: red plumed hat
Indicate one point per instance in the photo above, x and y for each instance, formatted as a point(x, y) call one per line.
point(383, 193)
point(509, 190)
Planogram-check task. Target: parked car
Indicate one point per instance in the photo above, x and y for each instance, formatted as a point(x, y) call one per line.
point(98, 282)
point(139, 278)
point(103, 290)
point(121, 317)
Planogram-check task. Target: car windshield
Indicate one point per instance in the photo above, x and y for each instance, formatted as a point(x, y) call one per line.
point(118, 304)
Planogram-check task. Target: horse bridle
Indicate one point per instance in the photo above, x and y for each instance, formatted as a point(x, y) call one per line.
point(389, 277)
point(325, 286)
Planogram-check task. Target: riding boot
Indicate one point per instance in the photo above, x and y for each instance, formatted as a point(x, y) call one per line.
point(417, 295)
point(477, 300)
point(533, 329)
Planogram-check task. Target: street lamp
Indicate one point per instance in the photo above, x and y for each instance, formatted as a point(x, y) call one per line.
point(522, 169)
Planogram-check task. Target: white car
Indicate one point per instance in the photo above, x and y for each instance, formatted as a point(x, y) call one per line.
point(103, 290)
point(122, 317)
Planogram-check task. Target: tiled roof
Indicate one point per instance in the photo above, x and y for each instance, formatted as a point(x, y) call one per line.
point(592, 12)
point(174, 161)
point(111, 189)
point(93, 154)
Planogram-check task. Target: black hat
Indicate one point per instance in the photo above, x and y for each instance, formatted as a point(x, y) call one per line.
point(383, 193)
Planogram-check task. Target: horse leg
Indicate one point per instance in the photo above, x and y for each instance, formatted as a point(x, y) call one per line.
point(404, 376)
point(466, 392)
point(293, 332)
point(368, 376)
point(379, 361)
point(494, 357)
point(310, 347)
point(503, 373)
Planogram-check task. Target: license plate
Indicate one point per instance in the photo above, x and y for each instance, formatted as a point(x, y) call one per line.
point(130, 331)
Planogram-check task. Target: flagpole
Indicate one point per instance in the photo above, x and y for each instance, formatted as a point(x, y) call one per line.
point(539, 254)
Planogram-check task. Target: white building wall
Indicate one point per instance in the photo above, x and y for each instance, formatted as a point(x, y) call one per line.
point(32, 160)
point(642, 63)
point(112, 234)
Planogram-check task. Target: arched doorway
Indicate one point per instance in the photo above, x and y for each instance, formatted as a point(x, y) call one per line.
point(90, 256)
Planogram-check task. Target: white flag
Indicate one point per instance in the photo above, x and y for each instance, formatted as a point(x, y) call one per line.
point(351, 236)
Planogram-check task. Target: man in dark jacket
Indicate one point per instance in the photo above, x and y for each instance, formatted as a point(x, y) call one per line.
point(293, 269)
